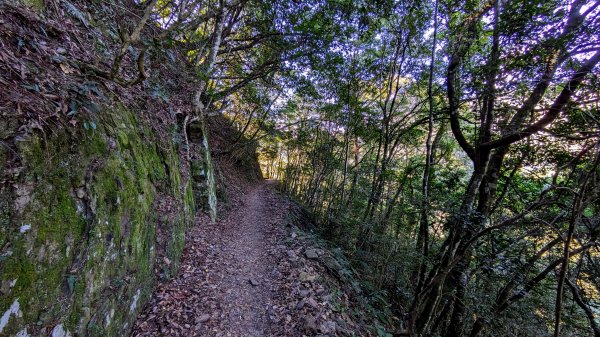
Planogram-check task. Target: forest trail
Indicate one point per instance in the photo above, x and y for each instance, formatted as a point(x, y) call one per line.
point(254, 274)
point(228, 276)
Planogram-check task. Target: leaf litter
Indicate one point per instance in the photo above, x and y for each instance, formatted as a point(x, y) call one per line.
point(254, 274)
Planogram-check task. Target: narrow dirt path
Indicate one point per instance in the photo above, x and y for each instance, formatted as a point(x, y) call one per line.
point(247, 283)
point(226, 282)
point(251, 275)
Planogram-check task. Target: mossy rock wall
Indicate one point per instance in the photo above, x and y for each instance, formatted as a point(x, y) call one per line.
point(86, 219)
point(202, 169)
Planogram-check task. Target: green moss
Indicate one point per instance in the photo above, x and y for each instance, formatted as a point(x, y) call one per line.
point(95, 146)
point(37, 5)
point(123, 139)
point(189, 200)
point(93, 224)
point(6, 201)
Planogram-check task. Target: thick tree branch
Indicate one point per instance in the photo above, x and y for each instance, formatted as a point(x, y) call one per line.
point(557, 106)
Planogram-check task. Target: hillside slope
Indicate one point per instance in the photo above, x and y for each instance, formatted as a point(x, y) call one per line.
point(97, 189)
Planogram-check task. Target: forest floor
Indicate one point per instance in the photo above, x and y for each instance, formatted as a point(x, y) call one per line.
point(254, 274)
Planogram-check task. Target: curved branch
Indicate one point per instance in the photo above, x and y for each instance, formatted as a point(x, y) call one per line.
point(588, 312)
point(557, 106)
point(452, 75)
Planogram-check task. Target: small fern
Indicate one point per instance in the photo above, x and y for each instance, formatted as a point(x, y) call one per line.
point(75, 12)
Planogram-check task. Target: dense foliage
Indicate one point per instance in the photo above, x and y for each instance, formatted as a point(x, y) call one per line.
point(452, 149)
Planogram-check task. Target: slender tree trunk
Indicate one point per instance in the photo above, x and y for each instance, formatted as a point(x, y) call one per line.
point(576, 212)
point(352, 188)
point(423, 235)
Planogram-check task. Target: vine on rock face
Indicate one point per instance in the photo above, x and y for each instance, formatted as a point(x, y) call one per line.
point(210, 175)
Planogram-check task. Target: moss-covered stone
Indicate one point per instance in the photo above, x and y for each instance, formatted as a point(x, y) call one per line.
point(78, 226)
point(36, 5)
point(202, 169)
